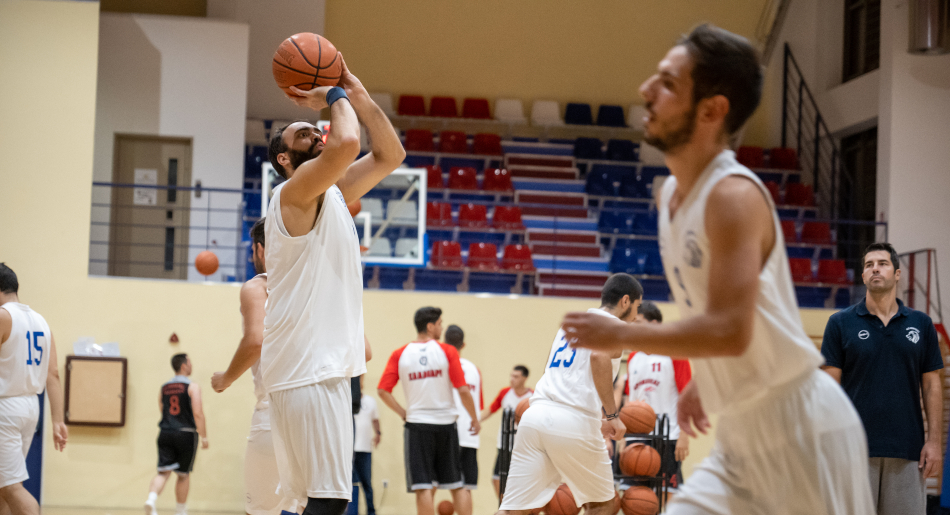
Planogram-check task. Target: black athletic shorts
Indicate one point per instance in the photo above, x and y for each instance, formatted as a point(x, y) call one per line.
point(496, 474)
point(469, 464)
point(669, 467)
point(176, 450)
point(432, 457)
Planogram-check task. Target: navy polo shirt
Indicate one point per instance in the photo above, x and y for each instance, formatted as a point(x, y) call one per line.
point(881, 369)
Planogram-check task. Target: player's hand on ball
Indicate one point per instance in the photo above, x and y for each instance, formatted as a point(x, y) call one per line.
point(476, 427)
point(689, 411)
point(592, 331)
point(315, 98)
point(219, 382)
point(60, 435)
point(682, 448)
point(353, 87)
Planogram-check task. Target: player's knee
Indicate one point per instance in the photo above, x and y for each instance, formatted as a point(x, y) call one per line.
point(325, 506)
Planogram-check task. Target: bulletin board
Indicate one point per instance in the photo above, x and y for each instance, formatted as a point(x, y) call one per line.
point(95, 391)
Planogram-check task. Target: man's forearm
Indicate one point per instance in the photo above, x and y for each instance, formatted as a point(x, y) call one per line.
point(247, 353)
point(933, 405)
point(384, 141)
point(391, 401)
point(200, 425)
point(469, 403)
point(54, 391)
point(602, 371)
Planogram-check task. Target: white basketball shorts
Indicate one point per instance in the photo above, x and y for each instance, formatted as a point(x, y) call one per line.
point(556, 444)
point(800, 450)
point(18, 418)
point(261, 478)
point(312, 428)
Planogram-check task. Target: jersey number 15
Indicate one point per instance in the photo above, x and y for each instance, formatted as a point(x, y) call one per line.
point(33, 342)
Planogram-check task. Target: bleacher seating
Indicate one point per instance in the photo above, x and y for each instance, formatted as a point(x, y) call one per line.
point(419, 140)
point(384, 101)
point(373, 206)
point(405, 247)
point(507, 218)
point(473, 216)
point(446, 254)
point(497, 179)
point(453, 142)
point(588, 148)
point(487, 144)
point(774, 191)
point(518, 258)
point(434, 177)
point(509, 110)
point(614, 222)
point(801, 270)
point(610, 116)
point(621, 150)
point(463, 178)
point(443, 107)
point(412, 105)
point(789, 232)
point(483, 257)
point(476, 108)
point(751, 157)
point(832, 271)
point(546, 113)
point(783, 159)
point(438, 214)
point(818, 233)
point(381, 247)
point(797, 194)
point(577, 113)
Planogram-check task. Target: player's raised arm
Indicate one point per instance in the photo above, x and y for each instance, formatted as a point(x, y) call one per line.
point(741, 234)
point(312, 178)
point(386, 152)
point(253, 297)
point(54, 391)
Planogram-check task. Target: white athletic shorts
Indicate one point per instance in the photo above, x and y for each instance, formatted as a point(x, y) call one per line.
point(556, 444)
point(312, 428)
point(261, 478)
point(800, 450)
point(18, 418)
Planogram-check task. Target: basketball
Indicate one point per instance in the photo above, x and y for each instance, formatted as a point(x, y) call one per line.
point(639, 460)
point(639, 417)
point(563, 502)
point(355, 207)
point(446, 508)
point(306, 60)
point(521, 408)
point(206, 262)
point(639, 500)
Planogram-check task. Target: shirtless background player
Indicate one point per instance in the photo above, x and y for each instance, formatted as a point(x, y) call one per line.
point(788, 439)
point(313, 327)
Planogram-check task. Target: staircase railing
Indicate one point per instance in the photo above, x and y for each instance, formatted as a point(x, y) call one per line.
point(819, 156)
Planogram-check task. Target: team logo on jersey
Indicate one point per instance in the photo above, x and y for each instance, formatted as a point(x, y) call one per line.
point(864, 335)
point(423, 360)
point(694, 255)
point(913, 334)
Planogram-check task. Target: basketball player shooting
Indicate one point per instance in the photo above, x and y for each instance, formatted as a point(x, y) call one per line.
point(788, 439)
point(313, 327)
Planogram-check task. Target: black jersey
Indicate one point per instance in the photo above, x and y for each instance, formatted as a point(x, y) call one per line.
point(176, 406)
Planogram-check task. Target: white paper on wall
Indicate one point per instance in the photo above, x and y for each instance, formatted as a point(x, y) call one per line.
point(145, 196)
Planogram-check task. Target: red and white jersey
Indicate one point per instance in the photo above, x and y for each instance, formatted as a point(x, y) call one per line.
point(24, 357)
point(473, 378)
point(429, 371)
point(507, 399)
point(658, 381)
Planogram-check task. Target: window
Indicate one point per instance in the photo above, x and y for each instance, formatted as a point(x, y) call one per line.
point(862, 37)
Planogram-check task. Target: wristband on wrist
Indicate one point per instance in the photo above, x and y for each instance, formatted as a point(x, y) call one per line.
point(613, 415)
point(335, 94)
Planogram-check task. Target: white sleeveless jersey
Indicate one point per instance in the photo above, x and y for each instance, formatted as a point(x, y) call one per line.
point(473, 378)
point(780, 349)
point(261, 418)
point(567, 378)
point(23, 357)
point(651, 378)
point(429, 372)
point(313, 327)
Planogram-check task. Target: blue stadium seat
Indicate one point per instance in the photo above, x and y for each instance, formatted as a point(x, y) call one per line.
point(811, 297)
point(578, 114)
point(588, 148)
point(437, 280)
point(652, 263)
point(488, 282)
point(615, 222)
point(603, 180)
point(610, 116)
point(646, 223)
point(656, 289)
point(625, 260)
point(621, 150)
point(634, 187)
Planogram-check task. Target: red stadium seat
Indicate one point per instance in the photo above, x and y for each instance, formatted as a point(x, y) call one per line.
point(473, 216)
point(752, 157)
point(476, 108)
point(446, 254)
point(443, 107)
point(419, 140)
point(517, 257)
point(439, 215)
point(411, 105)
point(483, 256)
point(453, 142)
point(463, 178)
point(507, 218)
point(801, 270)
point(788, 230)
point(783, 158)
point(797, 194)
point(832, 271)
point(818, 233)
point(487, 144)
point(434, 177)
point(772, 186)
point(497, 179)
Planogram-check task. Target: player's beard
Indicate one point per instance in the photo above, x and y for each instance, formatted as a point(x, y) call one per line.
point(258, 266)
point(299, 157)
point(625, 314)
point(678, 136)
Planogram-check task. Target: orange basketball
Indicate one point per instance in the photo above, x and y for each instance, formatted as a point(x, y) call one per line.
point(206, 262)
point(446, 508)
point(639, 460)
point(306, 60)
point(639, 417)
point(563, 502)
point(355, 207)
point(639, 500)
point(521, 408)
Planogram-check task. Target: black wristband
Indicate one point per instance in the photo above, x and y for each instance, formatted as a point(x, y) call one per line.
point(335, 94)
point(613, 416)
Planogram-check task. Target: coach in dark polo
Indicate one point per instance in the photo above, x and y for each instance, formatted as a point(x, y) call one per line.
point(883, 354)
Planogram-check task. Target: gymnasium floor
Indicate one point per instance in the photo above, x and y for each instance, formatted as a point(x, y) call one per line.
point(101, 511)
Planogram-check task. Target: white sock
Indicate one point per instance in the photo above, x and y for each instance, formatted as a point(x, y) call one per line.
point(181, 508)
point(151, 498)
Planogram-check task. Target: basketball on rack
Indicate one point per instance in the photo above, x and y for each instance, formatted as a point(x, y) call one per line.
point(521, 408)
point(639, 500)
point(563, 502)
point(639, 417)
point(639, 460)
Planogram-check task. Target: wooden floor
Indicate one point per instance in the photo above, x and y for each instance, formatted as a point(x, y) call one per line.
point(46, 510)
